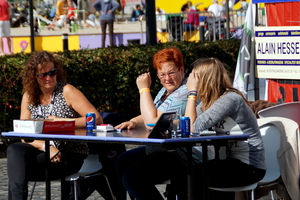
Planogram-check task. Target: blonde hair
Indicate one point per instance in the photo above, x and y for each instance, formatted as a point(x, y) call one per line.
point(214, 81)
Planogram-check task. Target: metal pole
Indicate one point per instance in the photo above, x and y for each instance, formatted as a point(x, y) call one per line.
point(227, 20)
point(202, 33)
point(256, 81)
point(150, 23)
point(65, 38)
point(47, 174)
point(142, 39)
point(31, 25)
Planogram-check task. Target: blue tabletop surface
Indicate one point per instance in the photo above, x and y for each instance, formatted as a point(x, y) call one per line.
point(126, 136)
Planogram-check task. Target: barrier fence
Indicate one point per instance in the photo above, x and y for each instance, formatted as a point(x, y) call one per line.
point(171, 27)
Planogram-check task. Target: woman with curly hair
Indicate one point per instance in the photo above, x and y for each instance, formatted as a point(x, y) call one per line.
point(46, 95)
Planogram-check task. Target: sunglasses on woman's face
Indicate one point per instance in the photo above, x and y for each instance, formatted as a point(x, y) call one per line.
point(50, 73)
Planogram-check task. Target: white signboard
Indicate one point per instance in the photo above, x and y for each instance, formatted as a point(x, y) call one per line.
point(277, 52)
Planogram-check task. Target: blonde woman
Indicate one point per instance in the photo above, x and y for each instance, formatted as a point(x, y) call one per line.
point(225, 110)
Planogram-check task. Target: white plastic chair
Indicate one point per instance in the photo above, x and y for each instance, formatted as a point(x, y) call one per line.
point(250, 187)
point(90, 168)
point(288, 110)
point(271, 138)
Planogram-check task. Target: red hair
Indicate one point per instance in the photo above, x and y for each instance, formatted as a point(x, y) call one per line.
point(171, 54)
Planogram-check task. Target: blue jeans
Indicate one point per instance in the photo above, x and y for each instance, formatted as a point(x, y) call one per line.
point(189, 27)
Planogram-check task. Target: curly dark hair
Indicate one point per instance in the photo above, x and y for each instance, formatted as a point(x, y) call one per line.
point(260, 105)
point(36, 62)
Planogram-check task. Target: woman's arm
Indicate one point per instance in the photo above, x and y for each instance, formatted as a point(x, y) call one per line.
point(97, 5)
point(76, 100)
point(148, 110)
point(25, 113)
point(133, 123)
point(149, 114)
point(190, 110)
point(189, 19)
point(115, 6)
point(39, 144)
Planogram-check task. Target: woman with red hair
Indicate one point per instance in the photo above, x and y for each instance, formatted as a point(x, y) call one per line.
point(168, 64)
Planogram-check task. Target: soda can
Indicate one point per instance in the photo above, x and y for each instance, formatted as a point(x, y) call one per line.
point(185, 126)
point(90, 119)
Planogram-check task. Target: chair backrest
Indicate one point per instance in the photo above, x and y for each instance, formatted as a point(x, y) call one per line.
point(111, 118)
point(271, 139)
point(91, 164)
point(288, 110)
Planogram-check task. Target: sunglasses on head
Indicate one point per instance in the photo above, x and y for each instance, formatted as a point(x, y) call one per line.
point(50, 73)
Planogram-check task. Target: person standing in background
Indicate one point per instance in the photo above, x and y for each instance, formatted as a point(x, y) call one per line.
point(192, 21)
point(160, 14)
point(60, 7)
point(106, 10)
point(215, 9)
point(5, 26)
point(71, 15)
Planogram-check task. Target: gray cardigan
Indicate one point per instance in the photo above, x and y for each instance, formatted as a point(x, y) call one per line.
point(104, 6)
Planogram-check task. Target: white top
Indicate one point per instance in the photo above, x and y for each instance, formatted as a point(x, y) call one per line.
point(216, 9)
point(160, 16)
point(61, 20)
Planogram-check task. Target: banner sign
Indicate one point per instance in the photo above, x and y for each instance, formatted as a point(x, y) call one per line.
point(283, 91)
point(272, 1)
point(277, 51)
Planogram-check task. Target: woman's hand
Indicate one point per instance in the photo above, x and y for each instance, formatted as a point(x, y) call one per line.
point(143, 81)
point(53, 117)
point(193, 81)
point(128, 125)
point(54, 158)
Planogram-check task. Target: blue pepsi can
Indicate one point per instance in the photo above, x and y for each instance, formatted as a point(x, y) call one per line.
point(185, 126)
point(90, 119)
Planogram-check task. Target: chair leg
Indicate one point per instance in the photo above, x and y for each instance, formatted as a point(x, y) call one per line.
point(111, 192)
point(252, 195)
point(272, 195)
point(32, 190)
point(75, 189)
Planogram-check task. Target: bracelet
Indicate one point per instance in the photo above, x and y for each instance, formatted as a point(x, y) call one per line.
point(192, 94)
point(192, 98)
point(144, 90)
point(193, 91)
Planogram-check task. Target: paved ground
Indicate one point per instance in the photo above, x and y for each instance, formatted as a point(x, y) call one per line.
point(39, 192)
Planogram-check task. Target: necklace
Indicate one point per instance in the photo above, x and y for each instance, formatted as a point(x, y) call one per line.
point(50, 107)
